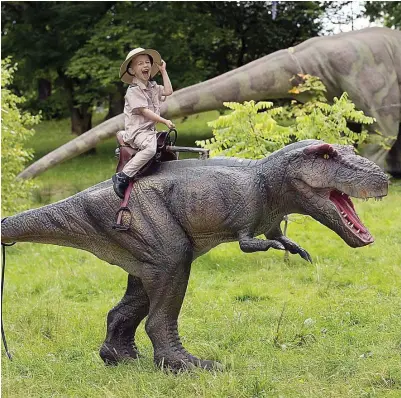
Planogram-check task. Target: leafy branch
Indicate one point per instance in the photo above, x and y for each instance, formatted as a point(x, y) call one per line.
point(15, 130)
point(254, 130)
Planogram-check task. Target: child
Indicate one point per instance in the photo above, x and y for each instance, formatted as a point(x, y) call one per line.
point(141, 110)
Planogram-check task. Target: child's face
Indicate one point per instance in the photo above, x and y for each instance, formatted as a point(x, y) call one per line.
point(141, 67)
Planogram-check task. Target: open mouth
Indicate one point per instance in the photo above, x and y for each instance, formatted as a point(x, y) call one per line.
point(146, 73)
point(348, 215)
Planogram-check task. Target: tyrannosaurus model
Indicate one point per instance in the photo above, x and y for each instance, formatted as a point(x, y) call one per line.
point(366, 64)
point(187, 207)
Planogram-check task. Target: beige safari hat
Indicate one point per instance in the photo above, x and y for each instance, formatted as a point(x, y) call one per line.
point(157, 59)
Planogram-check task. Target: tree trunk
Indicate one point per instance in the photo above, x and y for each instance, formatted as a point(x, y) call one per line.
point(44, 89)
point(81, 115)
point(81, 120)
point(116, 102)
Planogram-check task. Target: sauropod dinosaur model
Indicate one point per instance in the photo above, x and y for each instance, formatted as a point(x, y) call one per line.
point(365, 63)
point(187, 207)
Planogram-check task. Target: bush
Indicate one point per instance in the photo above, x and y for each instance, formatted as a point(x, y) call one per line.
point(15, 130)
point(254, 130)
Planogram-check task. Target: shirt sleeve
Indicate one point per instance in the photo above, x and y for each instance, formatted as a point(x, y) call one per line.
point(161, 96)
point(136, 99)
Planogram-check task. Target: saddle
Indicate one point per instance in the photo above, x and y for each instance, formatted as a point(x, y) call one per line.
point(125, 153)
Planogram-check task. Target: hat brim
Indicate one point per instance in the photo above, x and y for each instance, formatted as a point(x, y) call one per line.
point(157, 60)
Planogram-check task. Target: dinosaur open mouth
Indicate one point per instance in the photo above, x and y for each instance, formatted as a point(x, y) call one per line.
point(349, 217)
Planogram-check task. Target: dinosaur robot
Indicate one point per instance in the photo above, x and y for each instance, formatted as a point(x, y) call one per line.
point(185, 208)
point(366, 64)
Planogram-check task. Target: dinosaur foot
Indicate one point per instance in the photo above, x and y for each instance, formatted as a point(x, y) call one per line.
point(114, 354)
point(182, 362)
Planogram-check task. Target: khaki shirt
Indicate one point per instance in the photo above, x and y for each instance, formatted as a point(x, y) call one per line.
point(140, 96)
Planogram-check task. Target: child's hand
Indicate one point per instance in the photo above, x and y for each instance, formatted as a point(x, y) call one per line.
point(169, 124)
point(162, 67)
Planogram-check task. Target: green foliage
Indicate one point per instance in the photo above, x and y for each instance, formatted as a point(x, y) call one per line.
point(15, 130)
point(49, 34)
point(387, 12)
point(248, 132)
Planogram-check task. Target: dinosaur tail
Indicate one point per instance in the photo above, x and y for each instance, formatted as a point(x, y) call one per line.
point(48, 224)
point(75, 147)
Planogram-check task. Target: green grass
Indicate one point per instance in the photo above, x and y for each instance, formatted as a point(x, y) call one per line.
point(328, 329)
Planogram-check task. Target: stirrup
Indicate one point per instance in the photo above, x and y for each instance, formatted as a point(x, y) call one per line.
point(119, 216)
point(118, 226)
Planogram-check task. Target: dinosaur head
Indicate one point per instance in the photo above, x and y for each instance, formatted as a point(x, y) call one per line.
point(325, 178)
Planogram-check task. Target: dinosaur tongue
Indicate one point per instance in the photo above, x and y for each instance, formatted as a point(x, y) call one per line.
point(347, 210)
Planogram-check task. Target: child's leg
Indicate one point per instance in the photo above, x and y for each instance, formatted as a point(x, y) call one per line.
point(147, 149)
point(147, 144)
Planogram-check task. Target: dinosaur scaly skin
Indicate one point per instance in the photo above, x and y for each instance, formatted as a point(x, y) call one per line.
point(366, 64)
point(185, 208)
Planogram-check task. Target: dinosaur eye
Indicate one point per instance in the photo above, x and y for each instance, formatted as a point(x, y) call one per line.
point(326, 156)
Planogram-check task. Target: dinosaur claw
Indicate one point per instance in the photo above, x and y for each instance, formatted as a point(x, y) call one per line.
point(305, 255)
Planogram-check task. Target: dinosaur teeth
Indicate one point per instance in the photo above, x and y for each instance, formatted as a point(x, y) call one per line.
point(358, 230)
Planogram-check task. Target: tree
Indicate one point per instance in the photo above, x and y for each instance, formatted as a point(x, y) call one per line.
point(254, 32)
point(389, 12)
point(15, 130)
point(49, 34)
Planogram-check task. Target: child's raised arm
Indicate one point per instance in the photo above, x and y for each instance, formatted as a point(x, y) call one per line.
point(168, 89)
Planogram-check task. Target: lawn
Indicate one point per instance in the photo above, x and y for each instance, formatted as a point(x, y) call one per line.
point(295, 329)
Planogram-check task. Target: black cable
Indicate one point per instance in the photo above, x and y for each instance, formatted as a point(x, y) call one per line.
point(3, 267)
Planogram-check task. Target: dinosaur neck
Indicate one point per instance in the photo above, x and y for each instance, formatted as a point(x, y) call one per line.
point(271, 175)
point(263, 79)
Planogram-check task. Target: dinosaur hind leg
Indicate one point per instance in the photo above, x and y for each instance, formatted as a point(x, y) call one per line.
point(166, 287)
point(122, 322)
